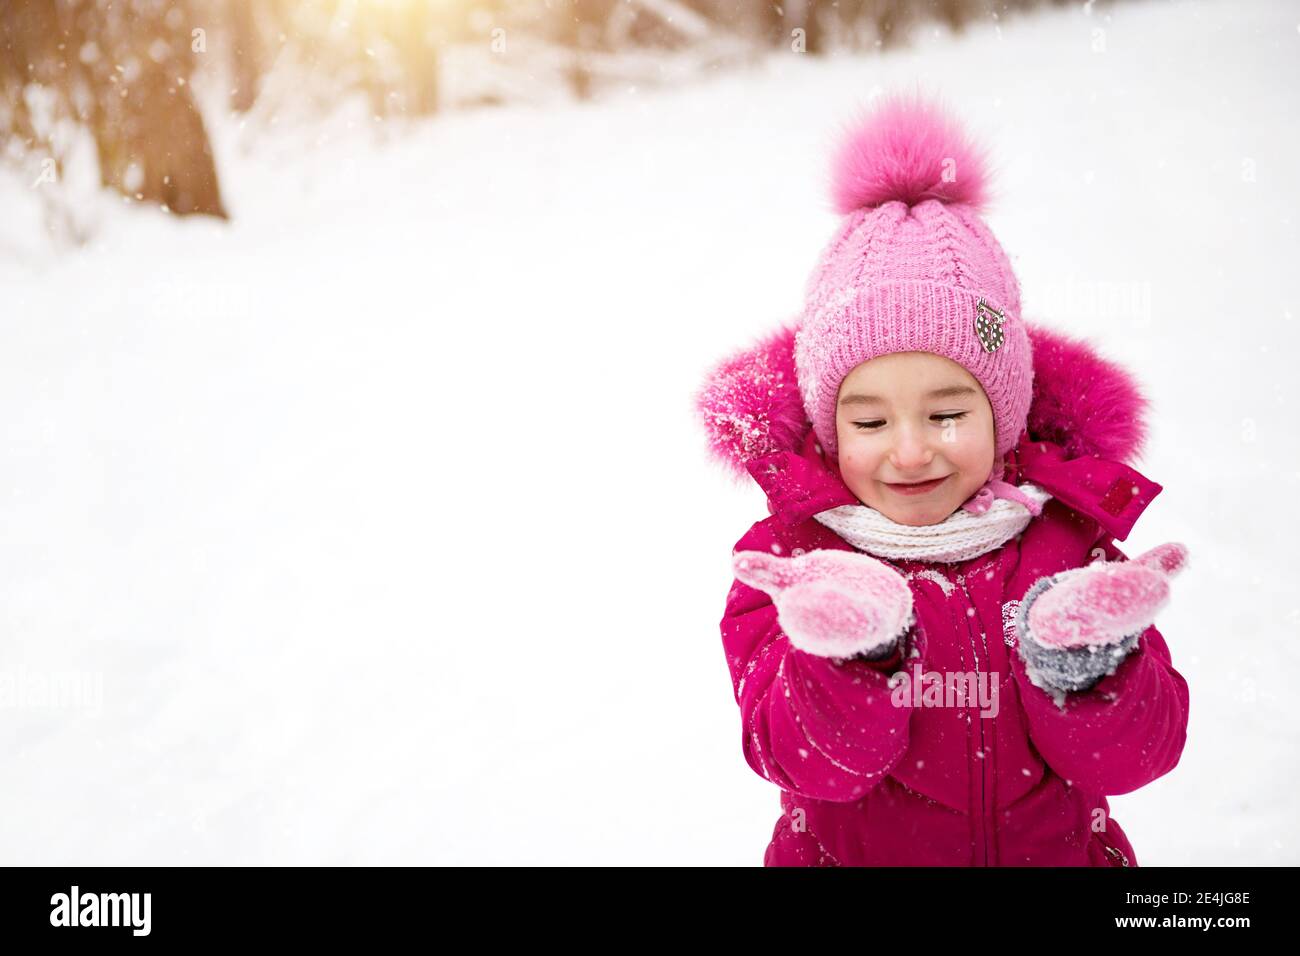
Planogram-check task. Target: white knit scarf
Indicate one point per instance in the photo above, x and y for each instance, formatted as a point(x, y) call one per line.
point(960, 536)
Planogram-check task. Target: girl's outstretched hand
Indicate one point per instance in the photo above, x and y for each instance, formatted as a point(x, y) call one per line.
point(835, 604)
point(1105, 602)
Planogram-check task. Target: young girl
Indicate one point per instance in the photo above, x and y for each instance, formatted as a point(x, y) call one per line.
point(939, 654)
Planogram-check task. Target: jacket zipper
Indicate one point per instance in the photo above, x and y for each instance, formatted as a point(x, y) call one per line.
point(1117, 853)
point(979, 765)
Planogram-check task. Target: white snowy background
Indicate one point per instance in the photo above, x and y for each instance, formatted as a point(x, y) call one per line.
point(381, 528)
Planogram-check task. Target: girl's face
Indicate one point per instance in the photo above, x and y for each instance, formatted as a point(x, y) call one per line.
point(910, 417)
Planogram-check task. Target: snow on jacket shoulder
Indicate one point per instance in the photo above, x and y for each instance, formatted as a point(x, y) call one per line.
point(1004, 775)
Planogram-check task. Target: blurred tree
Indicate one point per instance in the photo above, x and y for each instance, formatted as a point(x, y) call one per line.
point(247, 54)
point(316, 52)
point(413, 37)
point(855, 24)
point(120, 69)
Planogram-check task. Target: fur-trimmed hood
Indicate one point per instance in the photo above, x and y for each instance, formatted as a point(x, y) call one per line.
point(750, 404)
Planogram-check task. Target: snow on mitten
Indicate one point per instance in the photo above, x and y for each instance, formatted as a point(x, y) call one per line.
point(836, 604)
point(1077, 626)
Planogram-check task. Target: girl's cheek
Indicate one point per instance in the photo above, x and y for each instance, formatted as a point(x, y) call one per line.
point(966, 440)
point(852, 463)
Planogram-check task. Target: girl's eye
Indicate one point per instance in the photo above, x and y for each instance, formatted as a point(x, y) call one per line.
point(944, 416)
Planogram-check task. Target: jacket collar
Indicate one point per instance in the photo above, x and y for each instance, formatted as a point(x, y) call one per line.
point(1109, 492)
point(800, 485)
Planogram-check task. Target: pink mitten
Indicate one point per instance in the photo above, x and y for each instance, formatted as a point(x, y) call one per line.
point(831, 603)
point(1107, 601)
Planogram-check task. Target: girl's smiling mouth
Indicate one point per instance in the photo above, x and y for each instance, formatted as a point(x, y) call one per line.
point(921, 488)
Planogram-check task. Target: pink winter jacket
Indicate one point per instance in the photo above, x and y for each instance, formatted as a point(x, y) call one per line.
point(867, 783)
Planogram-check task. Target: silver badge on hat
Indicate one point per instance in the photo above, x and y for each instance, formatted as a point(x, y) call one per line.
point(988, 326)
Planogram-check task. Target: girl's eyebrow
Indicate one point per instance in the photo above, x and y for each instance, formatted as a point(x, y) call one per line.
point(949, 391)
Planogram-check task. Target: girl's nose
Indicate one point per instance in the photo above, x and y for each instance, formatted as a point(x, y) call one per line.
point(910, 453)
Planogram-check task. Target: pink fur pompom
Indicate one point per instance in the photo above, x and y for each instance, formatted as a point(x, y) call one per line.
point(909, 149)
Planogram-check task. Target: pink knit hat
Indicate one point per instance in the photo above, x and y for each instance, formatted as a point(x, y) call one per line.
point(913, 268)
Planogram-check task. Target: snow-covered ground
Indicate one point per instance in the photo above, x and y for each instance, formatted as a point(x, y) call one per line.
point(375, 526)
